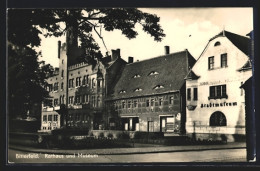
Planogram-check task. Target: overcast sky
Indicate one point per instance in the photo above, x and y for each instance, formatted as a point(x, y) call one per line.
point(185, 28)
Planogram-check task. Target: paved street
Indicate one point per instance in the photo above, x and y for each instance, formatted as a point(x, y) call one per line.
point(224, 155)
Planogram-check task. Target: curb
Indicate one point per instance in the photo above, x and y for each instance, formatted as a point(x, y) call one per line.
point(115, 152)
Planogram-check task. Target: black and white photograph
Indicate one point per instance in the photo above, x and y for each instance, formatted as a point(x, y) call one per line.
point(130, 85)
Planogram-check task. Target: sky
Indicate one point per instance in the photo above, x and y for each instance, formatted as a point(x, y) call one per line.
point(185, 28)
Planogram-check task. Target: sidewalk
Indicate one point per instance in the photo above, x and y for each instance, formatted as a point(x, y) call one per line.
point(138, 149)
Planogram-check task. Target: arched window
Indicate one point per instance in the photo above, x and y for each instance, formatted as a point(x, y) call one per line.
point(217, 44)
point(218, 119)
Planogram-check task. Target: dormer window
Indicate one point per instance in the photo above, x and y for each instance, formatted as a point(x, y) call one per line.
point(137, 76)
point(138, 89)
point(122, 91)
point(158, 87)
point(217, 43)
point(154, 73)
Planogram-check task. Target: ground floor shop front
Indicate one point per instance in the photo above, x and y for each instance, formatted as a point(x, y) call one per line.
point(148, 123)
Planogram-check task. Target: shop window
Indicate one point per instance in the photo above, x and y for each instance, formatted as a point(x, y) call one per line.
point(223, 60)
point(218, 119)
point(211, 62)
point(217, 92)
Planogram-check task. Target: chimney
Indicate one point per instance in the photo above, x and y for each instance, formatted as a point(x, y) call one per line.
point(130, 59)
point(59, 46)
point(167, 50)
point(115, 54)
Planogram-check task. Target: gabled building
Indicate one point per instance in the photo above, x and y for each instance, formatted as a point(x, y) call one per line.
point(150, 95)
point(78, 89)
point(215, 102)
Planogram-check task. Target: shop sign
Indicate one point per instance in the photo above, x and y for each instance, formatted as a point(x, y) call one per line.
point(209, 105)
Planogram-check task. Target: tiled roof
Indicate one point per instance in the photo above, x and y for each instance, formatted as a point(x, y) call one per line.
point(241, 42)
point(155, 76)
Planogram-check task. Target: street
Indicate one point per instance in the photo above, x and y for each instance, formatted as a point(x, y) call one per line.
point(224, 155)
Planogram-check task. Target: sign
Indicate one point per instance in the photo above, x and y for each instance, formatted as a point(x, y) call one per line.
point(218, 104)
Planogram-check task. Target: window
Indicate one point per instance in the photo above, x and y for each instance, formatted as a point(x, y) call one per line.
point(93, 98)
point(216, 92)
point(129, 104)
point(195, 93)
point(56, 86)
point(171, 99)
point(78, 81)
point(153, 73)
point(123, 105)
point(138, 89)
point(135, 103)
point(93, 83)
point(71, 83)
point(122, 91)
point(188, 94)
point(160, 101)
point(56, 102)
point(44, 118)
point(158, 86)
point(62, 73)
point(211, 62)
point(137, 76)
point(223, 60)
point(152, 102)
point(85, 80)
point(147, 103)
point(77, 99)
point(71, 99)
point(218, 119)
point(217, 43)
point(98, 101)
point(55, 118)
point(50, 87)
point(49, 117)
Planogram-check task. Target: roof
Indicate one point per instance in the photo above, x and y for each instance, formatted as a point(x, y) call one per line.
point(191, 76)
point(154, 76)
point(241, 42)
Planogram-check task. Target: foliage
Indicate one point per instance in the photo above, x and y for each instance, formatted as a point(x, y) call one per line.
point(27, 75)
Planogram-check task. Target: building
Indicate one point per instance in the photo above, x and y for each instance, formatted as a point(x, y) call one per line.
point(77, 89)
point(150, 94)
point(215, 100)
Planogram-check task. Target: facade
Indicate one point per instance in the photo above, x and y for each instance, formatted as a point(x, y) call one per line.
point(150, 95)
point(215, 100)
point(78, 89)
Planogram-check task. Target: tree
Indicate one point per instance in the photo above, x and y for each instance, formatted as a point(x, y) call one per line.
point(26, 74)
point(25, 26)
